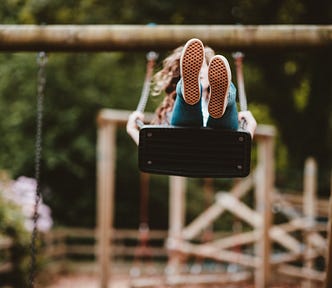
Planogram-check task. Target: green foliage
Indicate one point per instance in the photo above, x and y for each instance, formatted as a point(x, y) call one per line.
point(78, 86)
point(16, 112)
point(12, 225)
point(12, 222)
point(17, 203)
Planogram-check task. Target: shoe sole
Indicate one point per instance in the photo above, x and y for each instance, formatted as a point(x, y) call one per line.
point(191, 63)
point(219, 74)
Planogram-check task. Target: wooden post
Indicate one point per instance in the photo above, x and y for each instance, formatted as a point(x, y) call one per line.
point(177, 189)
point(309, 209)
point(328, 271)
point(106, 151)
point(264, 190)
point(208, 191)
point(310, 189)
point(108, 120)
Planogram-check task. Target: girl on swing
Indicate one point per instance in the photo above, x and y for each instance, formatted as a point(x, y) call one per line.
point(199, 92)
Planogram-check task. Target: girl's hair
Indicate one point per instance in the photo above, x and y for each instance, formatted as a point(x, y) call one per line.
point(166, 80)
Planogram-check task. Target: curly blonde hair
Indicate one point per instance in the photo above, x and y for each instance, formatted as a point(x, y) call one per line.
point(166, 80)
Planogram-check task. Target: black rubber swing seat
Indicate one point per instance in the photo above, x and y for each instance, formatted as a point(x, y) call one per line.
point(194, 152)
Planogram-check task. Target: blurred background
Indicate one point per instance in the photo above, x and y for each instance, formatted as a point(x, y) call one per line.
point(289, 89)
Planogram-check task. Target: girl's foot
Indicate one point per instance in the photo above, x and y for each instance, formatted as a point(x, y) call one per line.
point(190, 64)
point(219, 75)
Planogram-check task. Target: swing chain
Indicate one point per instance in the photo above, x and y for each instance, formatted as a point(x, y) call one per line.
point(238, 57)
point(41, 81)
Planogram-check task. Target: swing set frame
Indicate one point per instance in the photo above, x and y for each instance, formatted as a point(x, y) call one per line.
point(93, 38)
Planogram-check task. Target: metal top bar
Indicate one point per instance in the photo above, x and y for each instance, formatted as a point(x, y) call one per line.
point(94, 38)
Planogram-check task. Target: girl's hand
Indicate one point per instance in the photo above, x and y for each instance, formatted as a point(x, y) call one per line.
point(251, 123)
point(132, 128)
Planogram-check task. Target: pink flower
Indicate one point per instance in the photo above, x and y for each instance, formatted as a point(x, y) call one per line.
point(22, 192)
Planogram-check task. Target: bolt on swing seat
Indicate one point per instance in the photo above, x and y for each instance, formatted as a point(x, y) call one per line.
point(194, 151)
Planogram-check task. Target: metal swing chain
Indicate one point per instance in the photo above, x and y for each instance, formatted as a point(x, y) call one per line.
point(238, 57)
point(41, 81)
point(151, 60)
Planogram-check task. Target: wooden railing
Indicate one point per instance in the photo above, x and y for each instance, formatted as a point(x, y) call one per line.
point(81, 242)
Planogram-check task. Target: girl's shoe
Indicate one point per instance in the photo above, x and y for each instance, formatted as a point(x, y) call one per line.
point(219, 74)
point(190, 64)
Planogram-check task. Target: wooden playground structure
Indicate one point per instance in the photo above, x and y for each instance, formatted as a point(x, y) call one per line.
point(260, 262)
point(295, 258)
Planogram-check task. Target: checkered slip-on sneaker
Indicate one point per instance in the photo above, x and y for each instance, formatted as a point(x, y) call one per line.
point(219, 74)
point(190, 64)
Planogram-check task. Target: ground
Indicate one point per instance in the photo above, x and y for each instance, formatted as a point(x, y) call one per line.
point(86, 281)
point(83, 281)
point(87, 277)
point(91, 281)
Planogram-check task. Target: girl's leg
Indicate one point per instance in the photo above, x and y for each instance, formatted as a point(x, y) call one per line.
point(187, 109)
point(229, 119)
point(222, 104)
point(185, 114)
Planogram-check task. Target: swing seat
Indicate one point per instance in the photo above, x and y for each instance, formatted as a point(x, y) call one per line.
point(194, 152)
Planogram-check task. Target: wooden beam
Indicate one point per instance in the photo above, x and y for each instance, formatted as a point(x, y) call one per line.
point(277, 233)
point(238, 208)
point(285, 257)
point(211, 252)
point(244, 238)
point(316, 239)
point(282, 258)
point(283, 238)
point(80, 38)
point(296, 201)
point(302, 273)
point(214, 211)
point(250, 216)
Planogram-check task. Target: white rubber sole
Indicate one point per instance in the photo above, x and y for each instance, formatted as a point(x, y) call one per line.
point(190, 64)
point(219, 74)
